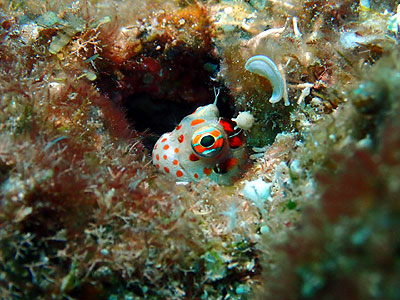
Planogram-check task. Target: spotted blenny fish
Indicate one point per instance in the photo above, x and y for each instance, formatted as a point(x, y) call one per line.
point(202, 145)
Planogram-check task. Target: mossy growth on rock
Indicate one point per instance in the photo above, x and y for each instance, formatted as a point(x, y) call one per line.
point(86, 89)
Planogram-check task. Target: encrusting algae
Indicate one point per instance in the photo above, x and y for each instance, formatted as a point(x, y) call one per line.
point(301, 149)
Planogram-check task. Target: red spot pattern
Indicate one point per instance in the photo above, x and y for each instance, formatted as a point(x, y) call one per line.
point(163, 140)
point(179, 173)
point(229, 164)
point(175, 162)
point(158, 157)
point(235, 136)
point(196, 175)
point(180, 138)
point(226, 165)
point(178, 127)
point(166, 147)
point(207, 171)
point(193, 157)
point(166, 169)
point(228, 125)
point(176, 150)
point(165, 157)
point(235, 142)
point(197, 122)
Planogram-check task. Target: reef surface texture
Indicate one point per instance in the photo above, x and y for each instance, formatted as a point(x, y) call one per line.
point(88, 87)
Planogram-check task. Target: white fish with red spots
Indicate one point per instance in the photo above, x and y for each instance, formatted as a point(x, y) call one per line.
point(202, 145)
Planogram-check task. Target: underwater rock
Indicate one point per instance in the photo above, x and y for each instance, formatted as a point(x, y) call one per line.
point(257, 191)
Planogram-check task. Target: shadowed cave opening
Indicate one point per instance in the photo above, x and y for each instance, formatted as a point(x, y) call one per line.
point(157, 91)
point(157, 116)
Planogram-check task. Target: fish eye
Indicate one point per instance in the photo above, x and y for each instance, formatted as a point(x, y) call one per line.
point(207, 141)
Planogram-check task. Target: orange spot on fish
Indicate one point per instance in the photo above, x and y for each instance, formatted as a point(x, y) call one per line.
point(218, 144)
point(226, 166)
point(176, 150)
point(196, 175)
point(178, 127)
point(235, 136)
point(163, 140)
point(180, 138)
point(199, 148)
point(158, 166)
point(175, 162)
point(235, 142)
point(231, 163)
point(207, 171)
point(196, 139)
point(179, 173)
point(197, 122)
point(165, 157)
point(166, 147)
point(158, 157)
point(193, 157)
point(166, 169)
point(155, 147)
point(215, 133)
point(229, 126)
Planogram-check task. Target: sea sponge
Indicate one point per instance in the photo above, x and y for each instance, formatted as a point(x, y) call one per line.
point(244, 120)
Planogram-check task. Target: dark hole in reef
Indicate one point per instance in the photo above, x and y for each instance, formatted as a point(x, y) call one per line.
point(157, 116)
point(157, 90)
